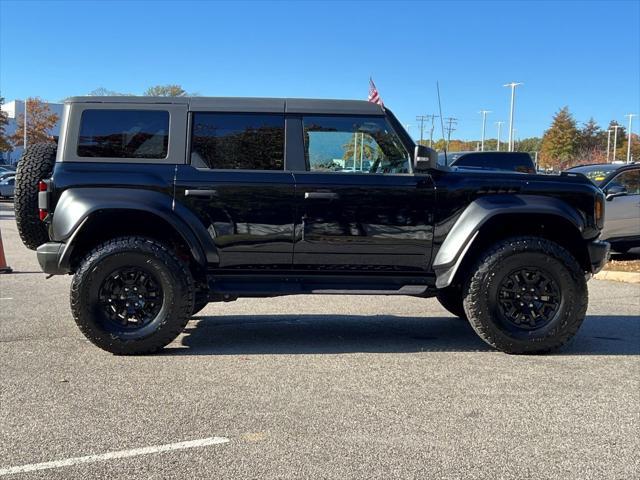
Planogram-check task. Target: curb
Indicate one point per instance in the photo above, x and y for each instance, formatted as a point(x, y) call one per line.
point(628, 277)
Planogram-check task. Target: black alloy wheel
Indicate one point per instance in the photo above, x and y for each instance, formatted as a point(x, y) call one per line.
point(528, 299)
point(131, 298)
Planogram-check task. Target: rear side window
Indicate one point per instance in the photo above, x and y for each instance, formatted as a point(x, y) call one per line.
point(124, 134)
point(238, 141)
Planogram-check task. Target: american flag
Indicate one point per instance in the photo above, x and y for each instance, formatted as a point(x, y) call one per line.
point(374, 96)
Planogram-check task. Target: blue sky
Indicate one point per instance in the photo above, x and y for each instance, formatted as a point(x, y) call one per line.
point(584, 54)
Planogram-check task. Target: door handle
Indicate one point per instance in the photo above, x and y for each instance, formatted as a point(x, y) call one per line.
point(321, 195)
point(200, 193)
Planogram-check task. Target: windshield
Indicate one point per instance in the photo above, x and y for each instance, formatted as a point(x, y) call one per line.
point(595, 173)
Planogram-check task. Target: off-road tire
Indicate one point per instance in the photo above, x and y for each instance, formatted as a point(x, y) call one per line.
point(174, 277)
point(481, 297)
point(451, 299)
point(36, 164)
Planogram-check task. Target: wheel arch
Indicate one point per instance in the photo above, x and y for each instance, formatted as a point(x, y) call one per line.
point(489, 219)
point(85, 217)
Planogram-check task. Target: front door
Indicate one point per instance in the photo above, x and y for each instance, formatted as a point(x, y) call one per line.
point(238, 188)
point(359, 206)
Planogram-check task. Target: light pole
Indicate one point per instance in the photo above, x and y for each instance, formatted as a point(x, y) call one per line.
point(513, 86)
point(630, 115)
point(608, 143)
point(499, 128)
point(484, 122)
point(615, 140)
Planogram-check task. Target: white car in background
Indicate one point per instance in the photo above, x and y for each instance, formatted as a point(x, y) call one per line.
point(621, 185)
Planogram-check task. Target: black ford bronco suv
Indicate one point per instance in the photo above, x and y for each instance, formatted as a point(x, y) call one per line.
point(159, 206)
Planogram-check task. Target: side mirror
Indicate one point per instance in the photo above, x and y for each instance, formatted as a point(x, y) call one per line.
point(615, 191)
point(424, 158)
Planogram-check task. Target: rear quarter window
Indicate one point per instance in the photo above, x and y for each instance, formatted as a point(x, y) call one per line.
point(124, 134)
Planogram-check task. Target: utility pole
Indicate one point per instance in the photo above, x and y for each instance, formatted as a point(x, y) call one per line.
point(513, 86)
point(484, 123)
point(452, 122)
point(608, 143)
point(615, 140)
point(421, 118)
point(499, 128)
point(24, 126)
point(433, 117)
point(630, 115)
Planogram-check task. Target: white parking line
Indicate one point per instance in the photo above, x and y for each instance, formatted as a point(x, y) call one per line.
point(203, 442)
point(6, 298)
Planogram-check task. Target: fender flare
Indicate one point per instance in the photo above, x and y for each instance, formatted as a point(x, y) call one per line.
point(479, 212)
point(77, 205)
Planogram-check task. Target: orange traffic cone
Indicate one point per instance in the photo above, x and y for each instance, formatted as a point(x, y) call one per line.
point(4, 268)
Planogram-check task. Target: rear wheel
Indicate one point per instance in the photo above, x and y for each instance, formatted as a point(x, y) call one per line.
point(132, 295)
point(527, 295)
point(36, 164)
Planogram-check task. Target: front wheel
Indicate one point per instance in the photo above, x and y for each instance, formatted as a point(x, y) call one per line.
point(526, 295)
point(132, 295)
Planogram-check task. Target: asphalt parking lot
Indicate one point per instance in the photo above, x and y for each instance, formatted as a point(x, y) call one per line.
point(313, 387)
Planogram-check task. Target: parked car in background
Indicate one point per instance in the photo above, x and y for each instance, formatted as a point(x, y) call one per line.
point(510, 161)
point(5, 175)
point(621, 185)
point(7, 168)
point(7, 186)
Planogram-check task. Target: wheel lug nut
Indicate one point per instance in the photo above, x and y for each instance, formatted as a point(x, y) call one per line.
point(531, 304)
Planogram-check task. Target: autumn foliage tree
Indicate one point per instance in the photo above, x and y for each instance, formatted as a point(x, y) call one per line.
point(166, 91)
point(560, 142)
point(5, 146)
point(40, 121)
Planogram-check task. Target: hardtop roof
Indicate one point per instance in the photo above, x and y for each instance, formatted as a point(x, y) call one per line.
point(248, 104)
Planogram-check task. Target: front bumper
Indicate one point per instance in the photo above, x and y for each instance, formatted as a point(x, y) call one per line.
point(52, 258)
point(598, 254)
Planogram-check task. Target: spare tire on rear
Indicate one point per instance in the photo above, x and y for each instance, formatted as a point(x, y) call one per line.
point(36, 164)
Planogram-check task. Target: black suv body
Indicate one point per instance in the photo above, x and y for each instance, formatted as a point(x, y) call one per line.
point(193, 200)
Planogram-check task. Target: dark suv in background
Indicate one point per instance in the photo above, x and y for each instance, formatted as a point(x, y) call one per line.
point(520, 162)
point(158, 206)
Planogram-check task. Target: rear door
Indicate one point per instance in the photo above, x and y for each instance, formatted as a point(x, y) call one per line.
point(238, 187)
point(359, 207)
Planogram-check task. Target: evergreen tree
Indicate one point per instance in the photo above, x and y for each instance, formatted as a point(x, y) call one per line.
point(560, 141)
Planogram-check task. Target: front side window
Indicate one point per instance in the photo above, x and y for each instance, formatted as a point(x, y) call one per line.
point(353, 144)
point(124, 134)
point(238, 141)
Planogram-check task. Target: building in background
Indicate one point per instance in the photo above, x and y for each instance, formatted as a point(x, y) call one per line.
point(13, 110)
